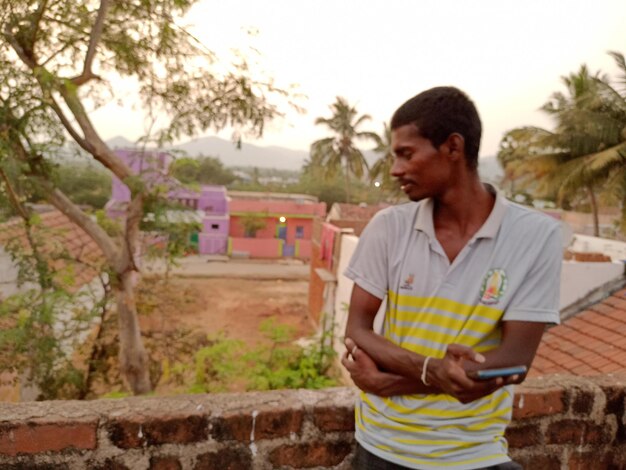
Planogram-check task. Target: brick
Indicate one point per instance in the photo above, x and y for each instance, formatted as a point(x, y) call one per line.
point(226, 459)
point(32, 438)
point(129, 434)
point(588, 461)
point(534, 403)
point(270, 425)
point(579, 432)
point(316, 454)
point(583, 402)
point(34, 466)
point(267, 425)
point(615, 398)
point(520, 437)
point(165, 463)
point(331, 418)
point(539, 461)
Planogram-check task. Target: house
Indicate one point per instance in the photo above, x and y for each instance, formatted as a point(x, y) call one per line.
point(273, 227)
point(237, 223)
point(209, 202)
point(355, 216)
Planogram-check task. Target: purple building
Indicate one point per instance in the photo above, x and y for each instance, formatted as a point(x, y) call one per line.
point(213, 203)
point(210, 202)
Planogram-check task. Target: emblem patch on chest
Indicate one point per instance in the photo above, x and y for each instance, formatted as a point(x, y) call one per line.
point(408, 282)
point(493, 286)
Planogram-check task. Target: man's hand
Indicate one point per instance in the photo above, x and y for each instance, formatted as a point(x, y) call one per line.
point(363, 369)
point(449, 375)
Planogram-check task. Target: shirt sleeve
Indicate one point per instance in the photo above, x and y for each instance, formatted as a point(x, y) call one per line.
point(537, 298)
point(369, 262)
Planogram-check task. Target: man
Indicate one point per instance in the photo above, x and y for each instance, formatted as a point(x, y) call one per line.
point(470, 280)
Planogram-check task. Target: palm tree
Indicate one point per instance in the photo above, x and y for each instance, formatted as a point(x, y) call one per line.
point(338, 152)
point(586, 149)
point(381, 169)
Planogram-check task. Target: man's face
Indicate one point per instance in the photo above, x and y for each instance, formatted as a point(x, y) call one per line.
point(421, 170)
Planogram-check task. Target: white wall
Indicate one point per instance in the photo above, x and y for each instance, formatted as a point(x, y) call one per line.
point(585, 243)
point(8, 275)
point(344, 290)
point(578, 279)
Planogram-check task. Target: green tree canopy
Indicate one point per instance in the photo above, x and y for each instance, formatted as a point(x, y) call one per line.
point(586, 151)
point(59, 59)
point(201, 170)
point(338, 153)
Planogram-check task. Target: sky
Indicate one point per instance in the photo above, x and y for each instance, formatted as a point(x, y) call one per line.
point(508, 56)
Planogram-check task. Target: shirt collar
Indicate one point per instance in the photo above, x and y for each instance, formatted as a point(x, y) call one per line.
point(489, 229)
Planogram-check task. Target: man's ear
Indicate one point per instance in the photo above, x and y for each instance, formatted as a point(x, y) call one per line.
point(454, 147)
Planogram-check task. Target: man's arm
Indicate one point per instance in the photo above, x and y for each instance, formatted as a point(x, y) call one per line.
point(520, 340)
point(398, 370)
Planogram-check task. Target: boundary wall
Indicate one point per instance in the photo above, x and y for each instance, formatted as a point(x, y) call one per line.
point(559, 423)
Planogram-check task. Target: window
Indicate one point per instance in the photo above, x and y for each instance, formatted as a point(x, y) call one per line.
point(215, 226)
point(299, 231)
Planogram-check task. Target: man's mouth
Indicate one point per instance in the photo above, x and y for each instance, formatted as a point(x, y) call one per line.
point(405, 185)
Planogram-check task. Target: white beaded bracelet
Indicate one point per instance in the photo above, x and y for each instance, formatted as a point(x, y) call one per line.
point(424, 368)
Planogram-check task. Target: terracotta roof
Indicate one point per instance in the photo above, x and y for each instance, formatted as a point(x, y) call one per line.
point(357, 212)
point(67, 248)
point(593, 342)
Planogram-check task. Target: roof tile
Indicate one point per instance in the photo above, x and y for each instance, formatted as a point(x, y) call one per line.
point(592, 342)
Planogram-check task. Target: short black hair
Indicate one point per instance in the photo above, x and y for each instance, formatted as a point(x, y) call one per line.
point(442, 111)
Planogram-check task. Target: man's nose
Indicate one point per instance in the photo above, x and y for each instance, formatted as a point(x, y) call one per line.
point(397, 168)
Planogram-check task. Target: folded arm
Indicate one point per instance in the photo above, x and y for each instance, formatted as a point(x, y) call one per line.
point(380, 367)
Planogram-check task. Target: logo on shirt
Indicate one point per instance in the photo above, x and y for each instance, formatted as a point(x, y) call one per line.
point(408, 282)
point(493, 286)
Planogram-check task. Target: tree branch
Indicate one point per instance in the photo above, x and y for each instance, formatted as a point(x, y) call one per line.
point(71, 210)
point(38, 15)
point(15, 44)
point(95, 145)
point(67, 124)
point(94, 39)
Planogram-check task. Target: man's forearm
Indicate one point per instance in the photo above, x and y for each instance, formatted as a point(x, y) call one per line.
point(388, 356)
point(398, 385)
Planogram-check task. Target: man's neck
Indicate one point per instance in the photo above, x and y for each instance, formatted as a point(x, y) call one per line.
point(463, 208)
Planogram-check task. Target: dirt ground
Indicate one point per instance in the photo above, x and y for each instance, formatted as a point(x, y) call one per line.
point(180, 316)
point(234, 307)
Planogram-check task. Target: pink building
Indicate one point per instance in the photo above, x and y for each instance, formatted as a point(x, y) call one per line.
point(287, 227)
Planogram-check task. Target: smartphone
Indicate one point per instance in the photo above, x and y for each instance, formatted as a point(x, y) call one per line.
point(487, 374)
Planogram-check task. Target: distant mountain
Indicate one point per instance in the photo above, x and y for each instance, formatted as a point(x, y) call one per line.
point(231, 156)
point(120, 142)
point(281, 158)
point(248, 155)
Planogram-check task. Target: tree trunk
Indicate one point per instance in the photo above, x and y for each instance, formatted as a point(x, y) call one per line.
point(132, 355)
point(594, 211)
point(347, 176)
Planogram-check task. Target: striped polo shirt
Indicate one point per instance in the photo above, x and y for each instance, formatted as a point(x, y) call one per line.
point(509, 270)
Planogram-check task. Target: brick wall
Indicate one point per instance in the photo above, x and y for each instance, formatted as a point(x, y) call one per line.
point(560, 423)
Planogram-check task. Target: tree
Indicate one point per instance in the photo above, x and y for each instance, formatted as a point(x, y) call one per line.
point(338, 153)
point(201, 170)
point(251, 224)
point(61, 58)
point(585, 149)
point(381, 169)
